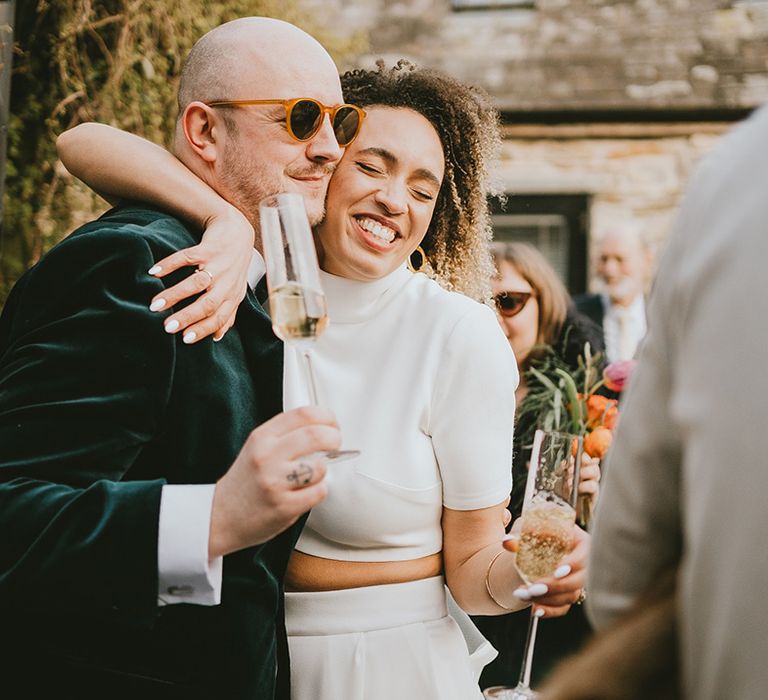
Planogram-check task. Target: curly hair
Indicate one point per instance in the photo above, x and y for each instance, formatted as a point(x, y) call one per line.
point(457, 240)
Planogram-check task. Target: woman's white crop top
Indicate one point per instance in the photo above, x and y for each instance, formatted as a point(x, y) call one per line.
point(422, 382)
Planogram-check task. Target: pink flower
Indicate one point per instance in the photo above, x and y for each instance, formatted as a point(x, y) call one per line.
point(617, 374)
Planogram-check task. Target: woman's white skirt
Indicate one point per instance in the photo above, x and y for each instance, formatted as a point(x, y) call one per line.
point(381, 643)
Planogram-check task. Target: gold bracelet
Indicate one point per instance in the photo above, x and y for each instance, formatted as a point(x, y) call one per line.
point(488, 582)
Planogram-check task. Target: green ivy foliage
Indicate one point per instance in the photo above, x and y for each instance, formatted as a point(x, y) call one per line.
point(113, 61)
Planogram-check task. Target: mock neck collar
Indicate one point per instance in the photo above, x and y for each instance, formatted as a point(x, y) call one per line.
point(353, 301)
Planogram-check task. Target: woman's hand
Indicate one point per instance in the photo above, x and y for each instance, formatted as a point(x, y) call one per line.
point(222, 258)
point(554, 596)
point(589, 477)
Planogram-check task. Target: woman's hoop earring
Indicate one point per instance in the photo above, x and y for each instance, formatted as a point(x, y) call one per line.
point(423, 262)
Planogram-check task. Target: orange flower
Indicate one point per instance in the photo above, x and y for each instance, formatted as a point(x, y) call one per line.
point(611, 417)
point(598, 408)
point(597, 442)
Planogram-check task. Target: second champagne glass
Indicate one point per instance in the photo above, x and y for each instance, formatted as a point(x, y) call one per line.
point(296, 300)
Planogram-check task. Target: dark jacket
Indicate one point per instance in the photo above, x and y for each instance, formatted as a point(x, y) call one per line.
point(99, 407)
point(592, 306)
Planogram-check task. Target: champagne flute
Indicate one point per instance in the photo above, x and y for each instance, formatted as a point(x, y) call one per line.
point(296, 299)
point(546, 533)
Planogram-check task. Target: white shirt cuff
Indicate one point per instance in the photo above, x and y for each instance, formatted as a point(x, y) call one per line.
point(185, 574)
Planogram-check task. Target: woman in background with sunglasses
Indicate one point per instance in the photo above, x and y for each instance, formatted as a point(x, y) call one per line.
point(538, 318)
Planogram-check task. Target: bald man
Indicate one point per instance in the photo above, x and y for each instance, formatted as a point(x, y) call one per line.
point(622, 268)
point(145, 520)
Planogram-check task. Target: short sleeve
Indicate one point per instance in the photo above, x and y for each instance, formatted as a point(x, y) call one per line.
point(473, 411)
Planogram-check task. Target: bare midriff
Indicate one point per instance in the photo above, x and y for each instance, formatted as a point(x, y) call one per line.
point(309, 573)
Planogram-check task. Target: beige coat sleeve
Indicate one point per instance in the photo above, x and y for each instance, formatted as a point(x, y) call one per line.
point(687, 482)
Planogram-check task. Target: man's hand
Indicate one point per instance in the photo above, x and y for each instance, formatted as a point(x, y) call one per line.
point(276, 477)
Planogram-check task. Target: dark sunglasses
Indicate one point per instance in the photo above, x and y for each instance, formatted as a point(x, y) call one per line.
point(511, 303)
point(304, 117)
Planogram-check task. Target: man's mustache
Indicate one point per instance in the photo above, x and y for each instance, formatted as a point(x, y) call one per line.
point(316, 171)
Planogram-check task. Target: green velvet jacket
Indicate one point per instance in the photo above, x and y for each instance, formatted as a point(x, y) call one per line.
point(99, 407)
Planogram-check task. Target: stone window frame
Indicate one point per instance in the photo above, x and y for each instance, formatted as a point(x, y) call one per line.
point(550, 210)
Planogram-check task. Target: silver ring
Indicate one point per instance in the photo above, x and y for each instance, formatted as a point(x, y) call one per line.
point(202, 269)
point(301, 476)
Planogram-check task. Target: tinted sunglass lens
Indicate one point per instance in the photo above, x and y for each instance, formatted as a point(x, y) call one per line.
point(305, 119)
point(345, 125)
point(510, 304)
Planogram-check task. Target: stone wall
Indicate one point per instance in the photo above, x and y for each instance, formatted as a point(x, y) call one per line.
point(661, 70)
point(637, 179)
point(577, 54)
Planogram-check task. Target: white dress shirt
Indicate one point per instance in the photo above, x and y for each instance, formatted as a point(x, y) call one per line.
point(185, 574)
point(623, 327)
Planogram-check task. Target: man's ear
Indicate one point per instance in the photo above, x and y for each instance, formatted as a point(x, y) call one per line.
point(203, 131)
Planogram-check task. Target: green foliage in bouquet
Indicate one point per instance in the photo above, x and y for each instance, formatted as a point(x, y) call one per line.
point(113, 61)
point(557, 393)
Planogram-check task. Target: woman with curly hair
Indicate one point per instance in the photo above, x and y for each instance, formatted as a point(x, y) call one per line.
point(420, 378)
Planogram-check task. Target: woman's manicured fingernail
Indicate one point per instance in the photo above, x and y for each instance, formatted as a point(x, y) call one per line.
point(157, 304)
point(522, 594)
point(537, 589)
point(189, 337)
point(172, 326)
point(507, 538)
point(216, 340)
point(539, 612)
point(154, 270)
point(562, 571)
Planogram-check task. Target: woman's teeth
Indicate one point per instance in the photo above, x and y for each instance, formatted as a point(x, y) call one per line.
point(376, 229)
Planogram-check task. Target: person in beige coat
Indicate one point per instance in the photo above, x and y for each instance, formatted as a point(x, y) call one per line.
point(686, 485)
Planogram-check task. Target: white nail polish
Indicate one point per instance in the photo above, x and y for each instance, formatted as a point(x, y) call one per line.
point(562, 571)
point(189, 337)
point(537, 589)
point(172, 326)
point(216, 340)
point(157, 304)
point(521, 594)
point(507, 538)
point(154, 270)
point(539, 612)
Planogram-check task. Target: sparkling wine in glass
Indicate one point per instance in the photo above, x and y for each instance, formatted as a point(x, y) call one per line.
point(296, 300)
point(549, 514)
point(546, 537)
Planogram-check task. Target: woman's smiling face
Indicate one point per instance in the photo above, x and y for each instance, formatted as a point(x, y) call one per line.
point(382, 196)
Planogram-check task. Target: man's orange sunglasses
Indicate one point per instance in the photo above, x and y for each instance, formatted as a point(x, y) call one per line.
point(304, 117)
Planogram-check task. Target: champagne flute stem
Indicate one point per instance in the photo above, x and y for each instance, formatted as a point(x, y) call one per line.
point(530, 642)
point(310, 376)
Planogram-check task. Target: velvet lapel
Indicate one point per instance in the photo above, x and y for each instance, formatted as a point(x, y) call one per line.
point(263, 353)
